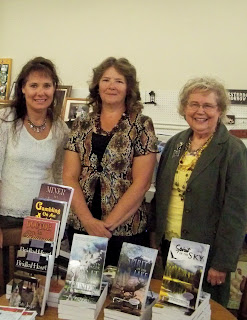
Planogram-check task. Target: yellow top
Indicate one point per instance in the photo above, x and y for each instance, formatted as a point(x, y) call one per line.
point(176, 204)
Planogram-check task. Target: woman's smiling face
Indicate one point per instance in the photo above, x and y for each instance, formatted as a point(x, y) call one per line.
point(202, 112)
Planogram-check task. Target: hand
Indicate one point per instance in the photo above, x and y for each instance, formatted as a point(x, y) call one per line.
point(96, 227)
point(216, 277)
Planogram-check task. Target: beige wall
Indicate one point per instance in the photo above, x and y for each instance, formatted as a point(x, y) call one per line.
point(168, 41)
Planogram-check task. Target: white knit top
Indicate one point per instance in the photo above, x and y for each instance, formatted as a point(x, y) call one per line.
point(25, 163)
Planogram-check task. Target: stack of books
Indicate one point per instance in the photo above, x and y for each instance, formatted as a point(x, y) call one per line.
point(41, 237)
point(84, 291)
point(129, 292)
point(181, 296)
point(16, 313)
point(56, 289)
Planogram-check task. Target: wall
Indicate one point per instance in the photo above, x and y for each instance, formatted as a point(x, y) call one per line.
point(168, 41)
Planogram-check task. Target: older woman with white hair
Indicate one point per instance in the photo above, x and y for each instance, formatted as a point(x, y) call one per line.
point(201, 189)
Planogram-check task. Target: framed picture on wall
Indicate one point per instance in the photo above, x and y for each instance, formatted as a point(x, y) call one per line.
point(5, 77)
point(4, 103)
point(61, 93)
point(73, 108)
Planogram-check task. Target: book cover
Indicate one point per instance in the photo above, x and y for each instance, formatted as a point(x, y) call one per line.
point(54, 210)
point(13, 313)
point(86, 264)
point(56, 192)
point(31, 290)
point(131, 283)
point(36, 246)
point(184, 271)
point(48, 209)
point(31, 262)
point(41, 229)
point(27, 291)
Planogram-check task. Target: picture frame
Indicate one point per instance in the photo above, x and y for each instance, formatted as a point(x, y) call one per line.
point(73, 108)
point(62, 92)
point(4, 103)
point(5, 77)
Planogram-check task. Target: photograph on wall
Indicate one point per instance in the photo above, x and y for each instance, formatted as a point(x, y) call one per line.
point(73, 108)
point(5, 76)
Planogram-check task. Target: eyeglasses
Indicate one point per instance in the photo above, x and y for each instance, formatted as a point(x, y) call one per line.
point(206, 106)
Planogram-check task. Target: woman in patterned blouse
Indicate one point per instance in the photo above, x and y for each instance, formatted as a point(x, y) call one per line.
point(110, 159)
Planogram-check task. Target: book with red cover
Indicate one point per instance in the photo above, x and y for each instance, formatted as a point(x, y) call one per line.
point(41, 229)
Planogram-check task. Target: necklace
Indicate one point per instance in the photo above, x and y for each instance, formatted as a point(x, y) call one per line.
point(186, 165)
point(99, 130)
point(36, 128)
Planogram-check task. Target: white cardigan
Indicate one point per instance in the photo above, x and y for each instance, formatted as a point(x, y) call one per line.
point(25, 163)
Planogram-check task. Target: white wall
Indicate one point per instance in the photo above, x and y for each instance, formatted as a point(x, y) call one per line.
point(168, 41)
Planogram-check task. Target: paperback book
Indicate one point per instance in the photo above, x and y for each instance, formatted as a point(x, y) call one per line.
point(63, 193)
point(28, 291)
point(86, 265)
point(54, 210)
point(130, 286)
point(30, 282)
point(12, 313)
point(90, 306)
point(184, 271)
point(176, 312)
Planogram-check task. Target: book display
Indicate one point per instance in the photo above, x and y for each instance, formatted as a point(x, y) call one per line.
point(130, 286)
point(34, 264)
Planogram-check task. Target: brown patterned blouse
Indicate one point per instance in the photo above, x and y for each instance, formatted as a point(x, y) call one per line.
point(133, 137)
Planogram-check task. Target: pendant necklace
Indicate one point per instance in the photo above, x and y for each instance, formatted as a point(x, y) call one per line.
point(36, 128)
point(186, 169)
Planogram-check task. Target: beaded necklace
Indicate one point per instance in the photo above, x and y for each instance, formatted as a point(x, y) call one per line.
point(99, 130)
point(36, 128)
point(187, 168)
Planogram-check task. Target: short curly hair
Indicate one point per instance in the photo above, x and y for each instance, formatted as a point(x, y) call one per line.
point(125, 68)
point(204, 84)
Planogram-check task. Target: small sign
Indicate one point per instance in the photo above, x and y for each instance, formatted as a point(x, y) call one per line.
point(237, 96)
